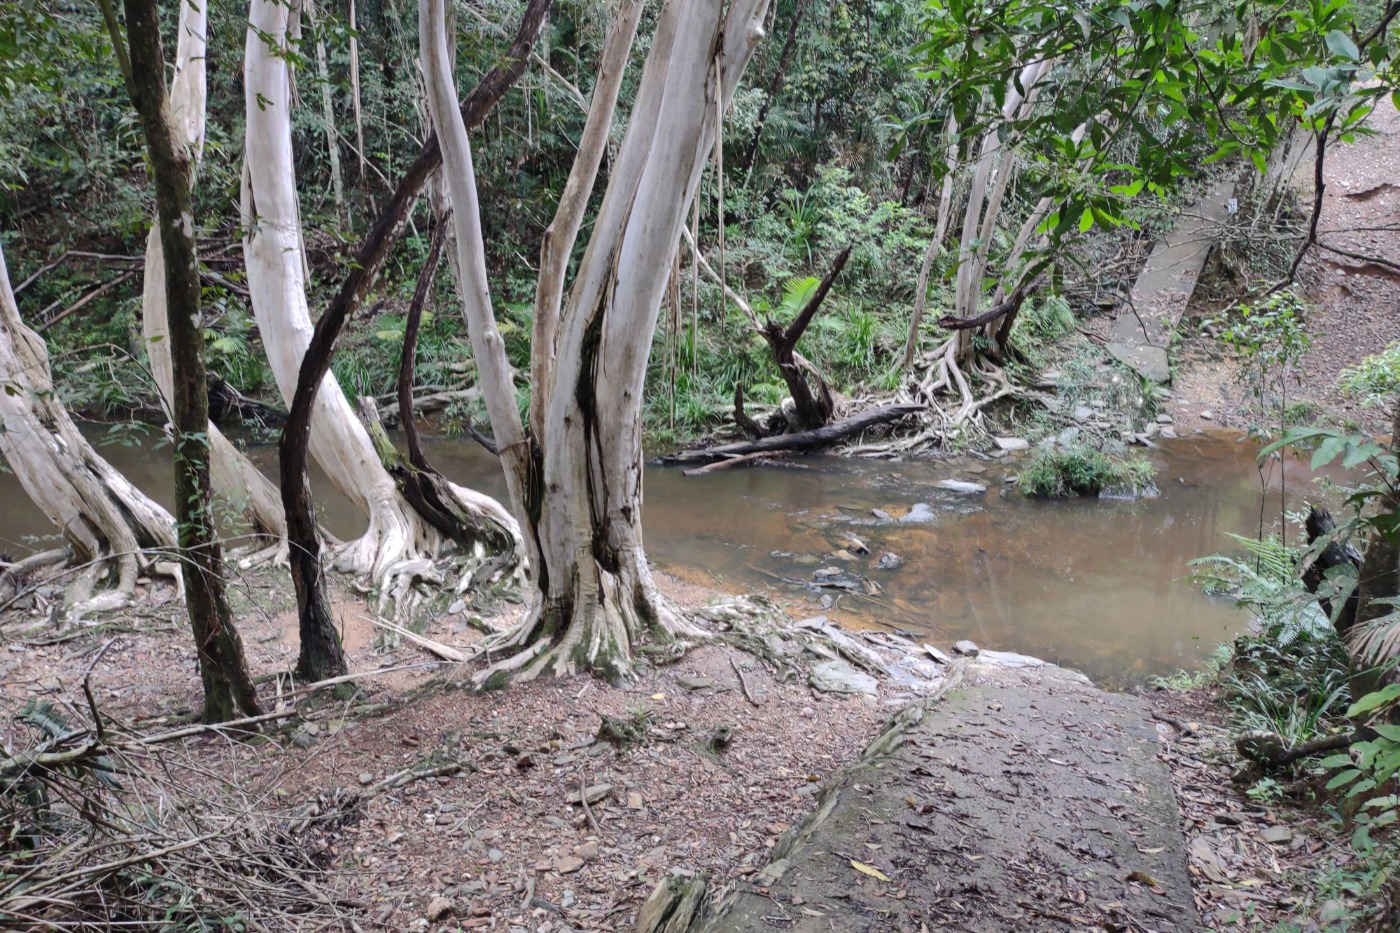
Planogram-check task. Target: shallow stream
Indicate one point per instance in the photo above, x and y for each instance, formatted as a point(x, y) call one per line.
point(1101, 586)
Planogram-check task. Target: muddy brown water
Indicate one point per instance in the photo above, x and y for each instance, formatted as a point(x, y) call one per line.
point(1101, 586)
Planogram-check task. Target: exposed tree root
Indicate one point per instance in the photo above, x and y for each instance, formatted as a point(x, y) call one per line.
point(951, 410)
point(627, 616)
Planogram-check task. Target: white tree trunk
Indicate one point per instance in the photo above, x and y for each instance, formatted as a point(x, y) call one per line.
point(977, 228)
point(235, 478)
point(105, 519)
point(597, 597)
point(273, 251)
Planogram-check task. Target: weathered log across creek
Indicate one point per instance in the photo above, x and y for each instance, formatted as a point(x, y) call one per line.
point(1099, 586)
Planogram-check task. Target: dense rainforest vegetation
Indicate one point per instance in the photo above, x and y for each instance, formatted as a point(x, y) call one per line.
point(577, 233)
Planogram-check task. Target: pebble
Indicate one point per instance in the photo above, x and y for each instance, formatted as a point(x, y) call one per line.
point(568, 864)
point(1278, 835)
point(1011, 443)
point(588, 851)
point(366, 778)
point(438, 908)
point(1207, 415)
point(496, 855)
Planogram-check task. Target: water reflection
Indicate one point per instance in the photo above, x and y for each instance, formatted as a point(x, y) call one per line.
point(1099, 586)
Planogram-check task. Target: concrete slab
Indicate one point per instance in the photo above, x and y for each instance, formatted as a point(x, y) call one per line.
point(1143, 330)
point(1024, 799)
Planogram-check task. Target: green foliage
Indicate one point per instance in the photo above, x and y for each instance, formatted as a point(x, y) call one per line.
point(1044, 321)
point(1081, 470)
point(1263, 579)
point(1375, 380)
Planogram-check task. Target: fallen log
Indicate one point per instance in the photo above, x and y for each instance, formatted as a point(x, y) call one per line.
point(802, 440)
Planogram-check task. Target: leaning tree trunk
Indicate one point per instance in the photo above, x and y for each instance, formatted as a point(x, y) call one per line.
point(107, 521)
point(576, 484)
point(276, 281)
point(235, 478)
point(228, 687)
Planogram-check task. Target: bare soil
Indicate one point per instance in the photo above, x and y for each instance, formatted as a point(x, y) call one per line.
point(501, 841)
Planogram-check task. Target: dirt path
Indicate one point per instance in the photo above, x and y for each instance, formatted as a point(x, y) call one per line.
point(1023, 799)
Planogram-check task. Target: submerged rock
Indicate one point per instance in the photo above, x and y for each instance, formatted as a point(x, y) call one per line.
point(919, 513)
point(890, 561)
point(962, 486)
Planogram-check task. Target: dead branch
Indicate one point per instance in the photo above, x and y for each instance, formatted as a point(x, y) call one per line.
point(802, 440)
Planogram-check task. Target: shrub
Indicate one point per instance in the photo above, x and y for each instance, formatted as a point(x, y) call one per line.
point(1083, 471)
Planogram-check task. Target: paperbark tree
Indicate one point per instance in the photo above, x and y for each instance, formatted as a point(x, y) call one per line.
point(575, 476)
point(235, 478)
point(228, 687)
point(108, 522)
point(398, 538)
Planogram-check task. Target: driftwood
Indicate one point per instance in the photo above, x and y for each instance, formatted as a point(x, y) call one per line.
point(802, 440)
point(811, 409)
point(1266, 749)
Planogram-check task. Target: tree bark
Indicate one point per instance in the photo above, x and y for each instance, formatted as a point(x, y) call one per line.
point(235, 478)
point(228, 687)
point(106, 520)
point(576, 484)
point(301, 355)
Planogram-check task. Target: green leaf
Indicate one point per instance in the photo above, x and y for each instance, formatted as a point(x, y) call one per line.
point(1376, 700)
point(1388, 732)
point(1344, 778)
point(1336, 761)
point(1341, 45)
point(1086, 220)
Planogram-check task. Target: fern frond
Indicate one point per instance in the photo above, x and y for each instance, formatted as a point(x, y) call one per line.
point(797, 291)
point(1378, 641)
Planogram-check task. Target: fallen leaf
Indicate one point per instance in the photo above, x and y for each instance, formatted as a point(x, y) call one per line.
point(870, 870)
point(658, 696)
point(1142, 877)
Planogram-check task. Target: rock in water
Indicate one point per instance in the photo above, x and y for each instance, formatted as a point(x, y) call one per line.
point(1011, 444)
point(962, 486)
point(918, 514)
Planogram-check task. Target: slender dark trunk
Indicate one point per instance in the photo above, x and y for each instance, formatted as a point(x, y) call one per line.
point(228, 688)
point(774, 86)
point(408, 361)
point(322, 657)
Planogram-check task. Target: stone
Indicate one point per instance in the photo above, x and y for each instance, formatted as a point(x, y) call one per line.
point(588, 851)
point(1083, 413)
point(1011, 444)
point(919, 513)
point(495, 855)
point(1067, 436)
point(634, 800)
point(595, 793)
point(968, 648)
point(962, 486)
point(881, 514)
point(1207, 415)
point(890, 561)
point(937, 655)
point(1168, 432)
point(837, 676)
point(568, 864)
point(1164, 418)
point(1277, 835)
point(1151, 429)
point(1007, 658)
point(366, 779)
point(456, 608)
point(439, 908)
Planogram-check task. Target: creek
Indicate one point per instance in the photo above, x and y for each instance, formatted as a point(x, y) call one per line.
point(1099, 585)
